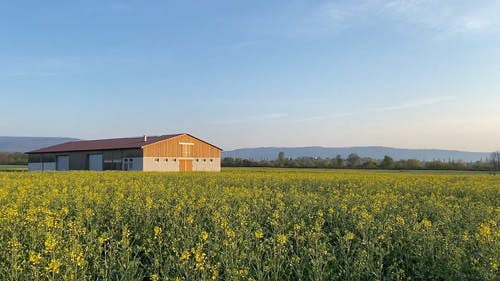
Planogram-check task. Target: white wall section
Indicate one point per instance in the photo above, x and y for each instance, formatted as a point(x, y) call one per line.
point(206, 164)
point(161, 164)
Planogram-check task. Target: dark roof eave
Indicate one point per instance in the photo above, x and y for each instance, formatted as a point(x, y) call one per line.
point(80, 150)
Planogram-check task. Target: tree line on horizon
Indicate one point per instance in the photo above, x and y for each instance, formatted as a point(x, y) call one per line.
point(13, 158)
point(354, 161)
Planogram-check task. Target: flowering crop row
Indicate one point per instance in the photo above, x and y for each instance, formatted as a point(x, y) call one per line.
point(249, 225)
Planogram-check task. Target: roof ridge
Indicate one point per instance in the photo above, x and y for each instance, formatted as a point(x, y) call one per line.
point(103, 144)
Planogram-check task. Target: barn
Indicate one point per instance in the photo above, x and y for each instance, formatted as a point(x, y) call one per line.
point(177, 152)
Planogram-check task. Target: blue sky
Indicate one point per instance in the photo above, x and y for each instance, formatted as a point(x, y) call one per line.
point(413, 74)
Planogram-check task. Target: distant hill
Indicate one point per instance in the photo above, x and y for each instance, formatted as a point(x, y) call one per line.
point(25, 144)
point(374, 152)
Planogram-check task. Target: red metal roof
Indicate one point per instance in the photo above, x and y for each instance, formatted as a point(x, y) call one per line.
point(106, 144)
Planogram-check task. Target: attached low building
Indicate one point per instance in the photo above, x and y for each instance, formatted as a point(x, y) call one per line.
point(179, 152)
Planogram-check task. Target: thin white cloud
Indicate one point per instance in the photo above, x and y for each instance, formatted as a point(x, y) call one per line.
point(406, 105)
point(250, 119)
point(438, 16)
point(416, 103)
point(326, 17)
point(447, 16)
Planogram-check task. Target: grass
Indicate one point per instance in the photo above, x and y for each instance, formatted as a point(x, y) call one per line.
point(13, 167)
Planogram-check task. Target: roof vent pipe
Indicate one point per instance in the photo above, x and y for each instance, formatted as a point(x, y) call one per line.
point(145, 138)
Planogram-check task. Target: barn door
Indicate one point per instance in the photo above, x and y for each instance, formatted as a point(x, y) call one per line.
point(185, 165)
point(62, 163)
point(95, 162)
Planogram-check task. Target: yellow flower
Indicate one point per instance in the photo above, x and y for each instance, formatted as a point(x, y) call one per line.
point(77, 258)
point(35, 258)
point(12, 212)
point(349, 236)
point(185, 256)
point(50, 243)
point(14, 243)
point(155, 277)
point(400, 220)
point(282, 239)
point(64, 211)
point(200, 257)
point(320, 213)
point(485, 230)
point(230, 233)
point(126, 232)
point(259, 234)
point(494, 265)
point(157, 230)
point(426, 223)
point(53, 266)
point(103, 239)
point(365, 215)
point(204, 236)
point(465, 237)
point(297, 227)
point(149, 202)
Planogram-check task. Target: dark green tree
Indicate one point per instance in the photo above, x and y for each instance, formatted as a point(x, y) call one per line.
point(281, 159)
point(339, 162)
point(353, 160)
point(387, 163)
point(495, 161)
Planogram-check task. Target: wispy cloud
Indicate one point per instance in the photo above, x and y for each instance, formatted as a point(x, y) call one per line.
point(416, 103)
point(251, 119)
point(403, 106)
point(326, 17)
point(439, 16)
point(447, 16)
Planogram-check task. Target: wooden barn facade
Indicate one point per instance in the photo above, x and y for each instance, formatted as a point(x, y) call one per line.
point(179, 152)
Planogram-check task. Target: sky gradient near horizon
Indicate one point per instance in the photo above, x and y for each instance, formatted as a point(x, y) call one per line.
point(408, 74)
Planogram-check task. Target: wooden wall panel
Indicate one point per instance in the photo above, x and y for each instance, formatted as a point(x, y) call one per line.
point(186, 165)
point(172, 148)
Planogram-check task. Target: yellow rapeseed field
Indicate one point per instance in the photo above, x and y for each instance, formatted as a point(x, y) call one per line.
point(249, 224)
